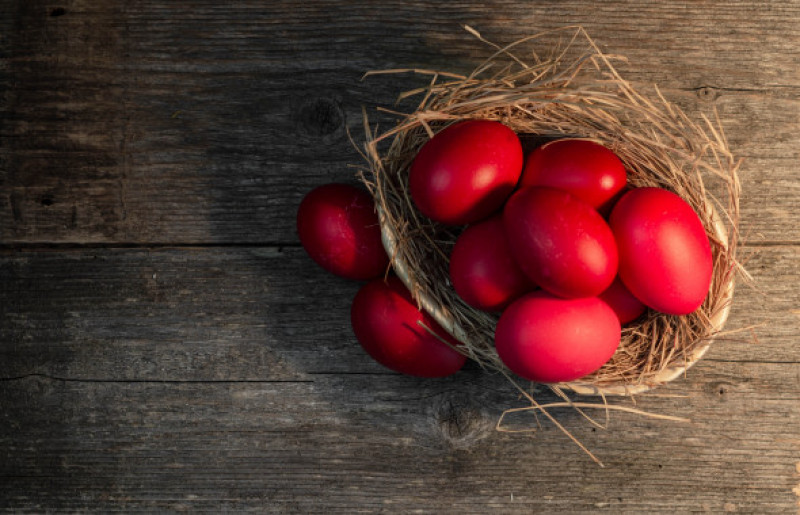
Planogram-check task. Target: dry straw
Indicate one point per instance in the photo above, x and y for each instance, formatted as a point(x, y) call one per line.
point(569, 90)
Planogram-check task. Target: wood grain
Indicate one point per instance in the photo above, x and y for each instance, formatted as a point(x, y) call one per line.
point(256, 314)
point(367, 443)
point(146, 122)
point(192, 379)
point(166, 345)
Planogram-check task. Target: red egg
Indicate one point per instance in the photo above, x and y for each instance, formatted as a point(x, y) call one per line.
point(627, 307)
point(339, 229)
point(547, 339)
point(560, 242)
point(386, 321)
point(466, 171)
point(664, 252)
point(584, 168)
point(482, 270)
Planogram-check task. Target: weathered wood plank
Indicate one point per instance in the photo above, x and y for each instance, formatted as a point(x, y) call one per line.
point(150, 122)
point(144, 315)
point(227, 378)
point(370, 443)
point(254, 314)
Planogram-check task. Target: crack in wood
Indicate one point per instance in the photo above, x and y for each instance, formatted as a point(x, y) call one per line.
point(147, 381)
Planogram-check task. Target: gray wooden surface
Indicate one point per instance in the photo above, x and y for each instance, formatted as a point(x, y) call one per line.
point(166, 345)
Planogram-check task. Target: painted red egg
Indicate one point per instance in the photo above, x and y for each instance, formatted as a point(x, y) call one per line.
point(466, 171)
point(560, 242)
point(548, 339)
point(339, 229)
point(482, 270)
point(627, 307)
point(386, 323)
point(584, 168)
point(664, 252)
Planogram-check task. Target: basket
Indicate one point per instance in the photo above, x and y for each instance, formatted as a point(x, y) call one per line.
point(575, 92)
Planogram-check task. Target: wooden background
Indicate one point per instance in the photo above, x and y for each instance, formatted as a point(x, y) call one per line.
point(166, 345)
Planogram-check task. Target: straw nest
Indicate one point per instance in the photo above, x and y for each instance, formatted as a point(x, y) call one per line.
point(574, 91)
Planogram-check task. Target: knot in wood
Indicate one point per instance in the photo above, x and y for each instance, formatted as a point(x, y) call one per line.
point(461, 423)
point(321, 116)
point(719, 389)
point(48, 199)
point(707, 93)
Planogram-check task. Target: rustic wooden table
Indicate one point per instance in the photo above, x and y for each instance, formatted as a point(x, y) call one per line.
point(165, 343)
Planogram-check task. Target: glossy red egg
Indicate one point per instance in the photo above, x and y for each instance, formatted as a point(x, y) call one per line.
point(627, 307)
point(339, 229)
point(664, 252)
point(482, 270)
point(548, 339)
point(466, 171)
point(386, 322)
point(560, 242)
point(584, 168)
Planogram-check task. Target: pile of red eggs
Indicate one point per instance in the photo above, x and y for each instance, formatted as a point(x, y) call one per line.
point(557, 243)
